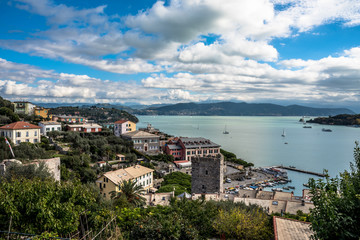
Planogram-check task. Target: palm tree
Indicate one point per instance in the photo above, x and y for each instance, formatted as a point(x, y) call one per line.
point(131, 191)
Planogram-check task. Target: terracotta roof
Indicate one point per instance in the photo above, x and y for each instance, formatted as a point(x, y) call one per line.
point(181, 161)
point(20, 125)
point(122, 121)
point(291, 229)
point(120, 175)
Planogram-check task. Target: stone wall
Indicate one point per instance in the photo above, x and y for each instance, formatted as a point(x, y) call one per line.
point(207, 174)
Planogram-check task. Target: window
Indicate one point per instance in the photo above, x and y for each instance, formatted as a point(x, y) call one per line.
point(104, 185)
point(35, 133)
point(104, 179)
point(206, 172)
point(27, 133)
point(27, 140)
point(52, 129)
point(205, 151)
point(188, 152)
point(35, 140)
point(18, 141)
point(58, 128)
point(193, 152)
point(47, 129)
point(215, 151)
point(147, 182)
point(104, 194)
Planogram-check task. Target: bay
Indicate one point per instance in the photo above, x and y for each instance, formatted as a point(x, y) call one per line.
point(258, 140)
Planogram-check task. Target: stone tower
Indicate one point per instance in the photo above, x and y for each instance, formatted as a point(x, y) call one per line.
point(207, 174)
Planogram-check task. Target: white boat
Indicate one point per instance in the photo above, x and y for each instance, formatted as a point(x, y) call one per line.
point(225, 131)
point(283, 133)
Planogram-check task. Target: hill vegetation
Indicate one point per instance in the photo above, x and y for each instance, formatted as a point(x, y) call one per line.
point(98, 114)
point(342, 119)
point(241, 109)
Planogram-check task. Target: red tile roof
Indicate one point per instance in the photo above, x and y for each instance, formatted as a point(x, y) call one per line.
point(121, 121)
point(20, 125)
point(181, 161)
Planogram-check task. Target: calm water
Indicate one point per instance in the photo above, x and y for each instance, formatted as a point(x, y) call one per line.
point(258, 140)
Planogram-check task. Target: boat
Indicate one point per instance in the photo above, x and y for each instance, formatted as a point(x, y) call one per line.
point(291, 187)
point(286, 188)
point(307, 126)
point(283, 133)
point(285, 143)
point(225, 131)
point(326, 130)
point(292, 166)
point(277, 190)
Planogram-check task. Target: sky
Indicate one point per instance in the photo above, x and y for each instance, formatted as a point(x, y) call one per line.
point(149, 52)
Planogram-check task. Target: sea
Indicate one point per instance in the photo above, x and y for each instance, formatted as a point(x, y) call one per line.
point(259, 140)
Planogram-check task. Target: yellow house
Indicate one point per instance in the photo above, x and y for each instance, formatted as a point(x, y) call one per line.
point(19, 132)
point(109, 181)
point(41, 112)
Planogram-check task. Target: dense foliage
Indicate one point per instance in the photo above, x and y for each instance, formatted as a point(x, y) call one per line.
point(24, 151)
point(185, 219)
point(36, 206)
point(98, 114)
point(129, 192)
point(231, 157)
point(99, 146)
point(337, 204)
point(342, 119)
point(179, 181)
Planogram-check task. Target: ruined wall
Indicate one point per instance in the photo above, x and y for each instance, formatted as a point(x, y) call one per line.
point(207, 174)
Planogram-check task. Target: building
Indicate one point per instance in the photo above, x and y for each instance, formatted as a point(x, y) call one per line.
point(52, 164)
point(49, 126)
point(207, 174)
point(86, 127)
point(123, 126)
point(69, 119)
point(144, 142)
point(24, 107)
point(185, 148)
point(19, 132)
point(41, 112)
point(109, 181)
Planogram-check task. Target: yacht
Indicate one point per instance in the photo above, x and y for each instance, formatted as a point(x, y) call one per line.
point(326, 130)
point(225, 131)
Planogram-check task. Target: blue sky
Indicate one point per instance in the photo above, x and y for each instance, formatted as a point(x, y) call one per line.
point(279, 51)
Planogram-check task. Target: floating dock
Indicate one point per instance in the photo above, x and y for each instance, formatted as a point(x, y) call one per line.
point(302, 171)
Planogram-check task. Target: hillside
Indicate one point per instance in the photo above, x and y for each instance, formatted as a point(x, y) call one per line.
point(98, 114)
point(342, 119)
point(241, 109)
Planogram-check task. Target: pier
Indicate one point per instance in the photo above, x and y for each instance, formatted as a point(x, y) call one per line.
point(302, 171)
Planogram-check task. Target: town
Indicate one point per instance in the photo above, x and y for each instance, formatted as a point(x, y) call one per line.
point(159, 164)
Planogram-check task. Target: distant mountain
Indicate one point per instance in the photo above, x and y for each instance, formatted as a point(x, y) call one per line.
point(241, 109)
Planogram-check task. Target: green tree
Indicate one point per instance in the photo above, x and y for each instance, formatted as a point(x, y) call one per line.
point(337, 204)
point(36, 206)
point(240, 223)
point(131, 191)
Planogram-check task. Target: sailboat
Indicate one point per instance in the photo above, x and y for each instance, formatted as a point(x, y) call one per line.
point(225, 131)
point(283, 133)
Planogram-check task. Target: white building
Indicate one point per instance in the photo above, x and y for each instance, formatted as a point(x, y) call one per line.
point(19, 132)
point(49, 126)
point(123, 126)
